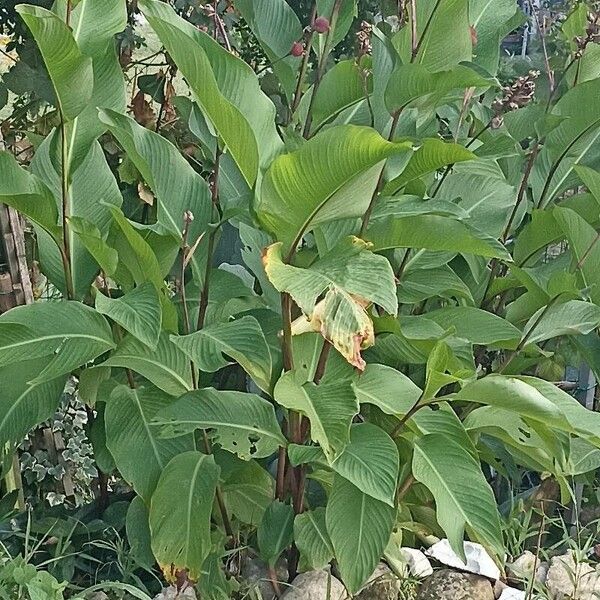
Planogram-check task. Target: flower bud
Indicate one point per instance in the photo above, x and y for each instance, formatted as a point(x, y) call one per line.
point(297, 49)
point(321, 25)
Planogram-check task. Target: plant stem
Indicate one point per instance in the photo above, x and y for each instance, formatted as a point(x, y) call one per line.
point(322, 64)
point(367, 216)
point(414, 42)
point(416, 49)
point(303, 67)
point(64, 181)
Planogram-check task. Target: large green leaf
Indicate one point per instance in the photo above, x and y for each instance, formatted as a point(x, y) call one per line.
point(138, 312)
point(433, 154)
point(312, 539)
point(437, 49)
point(180, 512)
point(276, 27)
point(391, 391)
point(331, 177)
point(584, 242)
point(477, 326)
point(109, 83)
point(512, 394)
point(370, 462)
point(244, 424)
point(276, 531)
point(571, 318)
point(492, 21)
point(248, 488)
point(176, 186)
point(463, 498)
point(23, 403)
point(69, 332)
point(432, 232)
point(359, 527)
point(412, 82)
point(345, 84)
point(137, 529)
point(139, 453)
point(243, 340)
point(573, 142)
point(165, 366)
point(224, 86)
point(70, 71)
point(330, 408)
point(25, 192)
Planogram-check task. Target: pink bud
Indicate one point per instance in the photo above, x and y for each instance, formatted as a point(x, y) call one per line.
point(297, 49)
point(320, 25)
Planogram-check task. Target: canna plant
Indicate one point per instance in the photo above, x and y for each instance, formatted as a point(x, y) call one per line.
point(415, 263)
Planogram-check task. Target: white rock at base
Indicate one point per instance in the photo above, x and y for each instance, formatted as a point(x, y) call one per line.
point(509, 593)
point(314, 585)
point(417, 563)
point(171, 593)
point(571, 579)
point(478, 560)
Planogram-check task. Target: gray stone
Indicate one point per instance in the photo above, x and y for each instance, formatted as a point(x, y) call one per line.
point(382, 585)
point(315, 585)
point(255, 573)
point(417, 563)
point(572, 580)
point(171, 593)
point(453, 585)
point(522, 567)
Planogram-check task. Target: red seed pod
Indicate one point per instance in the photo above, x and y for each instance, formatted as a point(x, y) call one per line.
point(321, 25)
point(297, 49)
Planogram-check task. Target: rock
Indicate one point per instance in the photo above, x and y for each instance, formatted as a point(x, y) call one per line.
point(453, 585)
point(315, 585)
point(417, 563)
point(522, 567)
point(382, 585)
point(568, 579)
point(254, 573)
point(478, 562)
point(509, 593)
point(171, 593)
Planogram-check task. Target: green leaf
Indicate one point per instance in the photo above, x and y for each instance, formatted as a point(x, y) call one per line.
point(25, 192)
point(438, 50)
point(591, 179)
point(176, 186)
point(391, 391)
point(330, 408)
point(345, 84)
point(165, 366)
point(492, 21)
point(421, 284)
point(571, 143)
point(69, 332)
point(332, 176)
point(276, 27)
point(412, 82)
point(139, 453)
point(433, 232)
point(312, 540)
point(248, 489)
point(93, 241)
point(512, 394)
point(138, 312)
point(244, 424)
point(193, 51)
point(571, 318)
point(180, 512)
point(243, 340)
point(137, 529)
point(463, 498)
point(477, 326)
point(276, 531)
point(70, 71)
point(359, 527)
point(24, 403)
point(370, 462)
point(433, 154)
point(584, 243)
